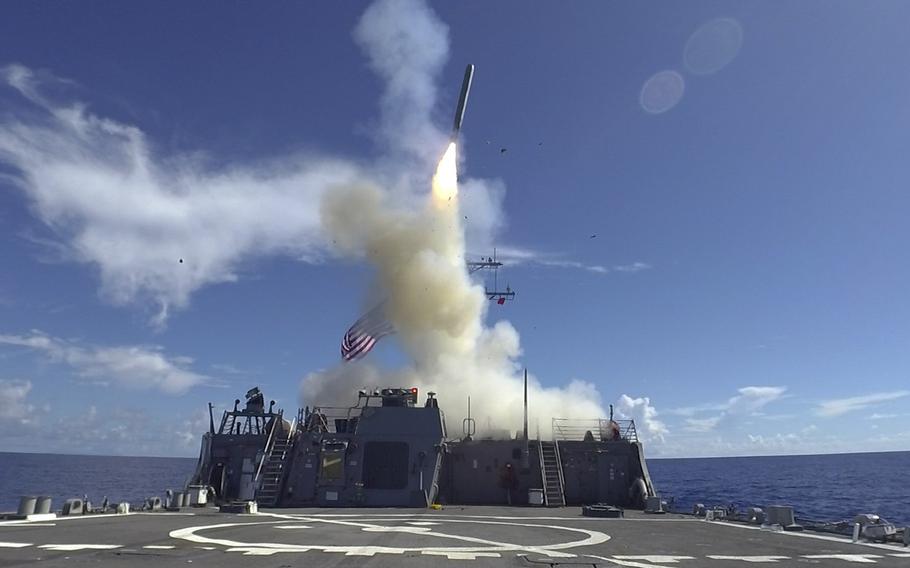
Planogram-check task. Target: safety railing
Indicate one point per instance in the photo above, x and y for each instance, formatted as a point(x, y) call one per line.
point(335, 420)
point(595, 429)
point(269, 443)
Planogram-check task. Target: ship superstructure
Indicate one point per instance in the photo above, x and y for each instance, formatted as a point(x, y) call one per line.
point(392, 450)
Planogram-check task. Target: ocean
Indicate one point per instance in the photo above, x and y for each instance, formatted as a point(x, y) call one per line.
point(824, 487)
point(828, 487)
point(62, 477)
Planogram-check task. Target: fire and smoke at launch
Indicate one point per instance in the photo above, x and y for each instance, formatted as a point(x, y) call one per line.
point(439, 312)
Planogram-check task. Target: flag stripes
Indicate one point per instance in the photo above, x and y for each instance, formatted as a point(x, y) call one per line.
point(363, 335)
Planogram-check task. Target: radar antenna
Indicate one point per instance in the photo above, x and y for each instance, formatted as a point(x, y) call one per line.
point(495, 293)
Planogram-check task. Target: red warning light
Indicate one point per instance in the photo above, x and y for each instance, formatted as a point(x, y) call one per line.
point(414, 390)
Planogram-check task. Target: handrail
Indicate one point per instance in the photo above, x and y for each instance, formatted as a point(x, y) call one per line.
point(568, 429)
point(266, 451)
point(562, 481)
point(543, 471)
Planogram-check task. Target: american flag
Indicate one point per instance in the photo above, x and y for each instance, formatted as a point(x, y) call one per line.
point(364, 334)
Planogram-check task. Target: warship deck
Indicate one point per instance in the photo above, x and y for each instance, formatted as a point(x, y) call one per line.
point(494, 536)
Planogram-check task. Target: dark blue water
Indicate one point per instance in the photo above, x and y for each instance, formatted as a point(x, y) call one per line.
point(63, 477)
point(829, 487)
point(826, 487)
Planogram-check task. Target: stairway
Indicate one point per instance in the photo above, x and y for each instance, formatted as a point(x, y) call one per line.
point(551, 472)
point(273, 472)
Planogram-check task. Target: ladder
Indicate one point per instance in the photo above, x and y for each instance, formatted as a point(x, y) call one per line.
point(551, 474)
point(273, 472)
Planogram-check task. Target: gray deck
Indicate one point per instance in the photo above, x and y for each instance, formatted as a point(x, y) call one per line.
point(402, 537)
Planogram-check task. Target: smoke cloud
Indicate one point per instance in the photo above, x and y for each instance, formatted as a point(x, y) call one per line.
point(158, 227)
point(418, 250)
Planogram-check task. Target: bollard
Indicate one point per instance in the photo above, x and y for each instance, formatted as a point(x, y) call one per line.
point(72, 507)
point(177, 500)
point(123, 508)
point(654, 504)
point(44, 505)
point(186, 500)
point(856, 527)
point(26, 506)
point(783, 515)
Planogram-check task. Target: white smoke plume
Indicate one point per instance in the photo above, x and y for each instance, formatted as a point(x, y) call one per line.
point(160, 227)
point(418, 250)
point(439, 314)
point(157, 228)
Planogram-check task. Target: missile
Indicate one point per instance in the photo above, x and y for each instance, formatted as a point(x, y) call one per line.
point(463, 99)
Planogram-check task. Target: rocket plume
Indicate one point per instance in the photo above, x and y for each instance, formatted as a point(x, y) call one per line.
point(415, 240)
point(445, 181)
point(439, 313)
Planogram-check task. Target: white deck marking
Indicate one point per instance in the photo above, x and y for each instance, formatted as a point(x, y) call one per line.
point(206, 547)
point(364, 550)
point(830, 538)
point(410, 530)
point(256, 551)
point(423, 523)
point(863, 558)
point(70, 547)
point(618, 562)
point(464, 555)
point(748, 558)
point(656, 558)
point(14, 544)
point(159, 546)
point(355, 522)
point(290, 527)
point(901, 554)
point(26, 523)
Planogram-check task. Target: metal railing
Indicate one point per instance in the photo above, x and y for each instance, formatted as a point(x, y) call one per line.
point(322, 418)
point(597, 429)
point(562, 481)
point(269, 443)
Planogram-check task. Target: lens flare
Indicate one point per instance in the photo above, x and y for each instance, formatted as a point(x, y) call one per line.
point(445, 180)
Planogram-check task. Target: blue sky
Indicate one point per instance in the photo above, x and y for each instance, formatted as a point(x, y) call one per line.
point(745, 292)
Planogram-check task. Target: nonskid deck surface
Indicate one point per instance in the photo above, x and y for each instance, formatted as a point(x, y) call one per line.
point(402, 537)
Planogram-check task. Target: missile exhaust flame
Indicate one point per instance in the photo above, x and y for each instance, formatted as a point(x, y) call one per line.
point(438, 311)
point(445, 180)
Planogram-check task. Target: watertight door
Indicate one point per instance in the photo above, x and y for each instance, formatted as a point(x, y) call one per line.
point(613, 483)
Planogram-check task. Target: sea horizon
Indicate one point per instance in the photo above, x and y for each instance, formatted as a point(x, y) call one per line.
point(648, 458)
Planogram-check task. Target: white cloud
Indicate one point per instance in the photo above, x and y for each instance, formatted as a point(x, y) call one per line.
point(634, 267)
point(191, 430)
point(645, 416)
point(136, 366)
point(702, 424)
point(751, 399)
point(117, 202)
point(882, 416)
point(775, 442)
point(14, 408)
point(838, 406)
point(693, 410)
point(518, 256)
point(93, 430)
point(749, 402)
point(133, 214)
